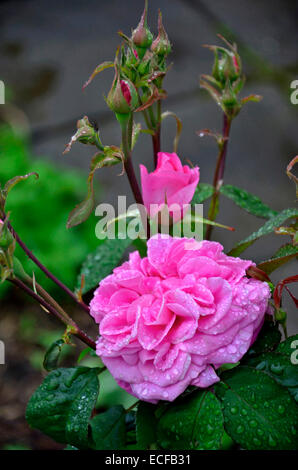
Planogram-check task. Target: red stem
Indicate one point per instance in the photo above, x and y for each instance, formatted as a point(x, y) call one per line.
point(219, 173)
point(79, 333)
point(45, 270)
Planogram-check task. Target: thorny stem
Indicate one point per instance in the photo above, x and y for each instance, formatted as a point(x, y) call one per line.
point(45, 270)
point(219, 173)
point(66, 320)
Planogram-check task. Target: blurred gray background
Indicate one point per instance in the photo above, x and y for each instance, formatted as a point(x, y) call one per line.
point(48, 50)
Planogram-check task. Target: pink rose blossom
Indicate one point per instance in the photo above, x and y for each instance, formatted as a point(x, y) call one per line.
point(170, 182)
point(169, 320)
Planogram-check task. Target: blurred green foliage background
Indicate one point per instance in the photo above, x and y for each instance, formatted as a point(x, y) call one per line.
point(39, 210)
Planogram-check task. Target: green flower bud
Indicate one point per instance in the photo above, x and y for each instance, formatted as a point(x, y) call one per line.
point(122, 98)
point(161, 45)
point(142, 36)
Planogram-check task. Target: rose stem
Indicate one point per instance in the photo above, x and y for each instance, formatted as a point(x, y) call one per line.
point(66, 320)
point(157, 137)
point(126, 143)
point(219, 173)
point(45, 270)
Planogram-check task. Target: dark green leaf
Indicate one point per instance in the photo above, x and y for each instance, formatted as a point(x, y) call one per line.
point(61, 406)
point(247, 201)
point(268, 340)
point(267, 228)
point(52, 355)
point(146, 423)
point(283, 256)
point(109, 157)
point(281, 364)
point(259, 413)
point(108, 429)
point(196, 422)
point(102, 261)
point(203, 192)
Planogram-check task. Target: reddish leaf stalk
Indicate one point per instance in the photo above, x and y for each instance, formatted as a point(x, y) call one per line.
point(67, 321)
point(219, 173)
point(45, 270)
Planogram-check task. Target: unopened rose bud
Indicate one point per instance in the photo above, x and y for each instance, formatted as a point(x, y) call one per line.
point(142, 36)
point(229, 102)
point(280, 315)
point(122, 98)
point(161, 45)
point(227, 65)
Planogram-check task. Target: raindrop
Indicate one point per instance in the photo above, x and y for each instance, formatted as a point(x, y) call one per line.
point(240, 429)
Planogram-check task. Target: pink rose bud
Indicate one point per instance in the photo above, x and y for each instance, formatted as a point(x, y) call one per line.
point(171, 184)
point(122, 98)
point(161, 45)
point(170, 320)
point(142, 36)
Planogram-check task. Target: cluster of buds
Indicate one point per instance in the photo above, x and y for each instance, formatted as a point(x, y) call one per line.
point(226, 80)
point(140, 66)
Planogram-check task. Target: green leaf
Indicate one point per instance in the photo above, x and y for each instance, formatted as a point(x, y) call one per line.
point(146, 423)
point(52, 355)
point(267, 228)
point(281, 364)
point(258, 412)
point(203, 192)
point(283, 256)
point(111, 156)
point(268, 340)
point(247, 201)
point(61, 406)
point(98, 69)
point(196, 422)
point(102, 261)
point(12, 182)
point(108, 429)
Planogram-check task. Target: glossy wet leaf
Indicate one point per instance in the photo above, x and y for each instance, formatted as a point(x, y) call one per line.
point(268, 340)
point(258, 412)
point(102, 261)
point(108, 429)
point(146, 423)
point(62, 405)
point(281, 364)
point(247, 201)
point(267, 228)
point(52, 355)
point(283, 256)
point(194, 422)
point(203, 192)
